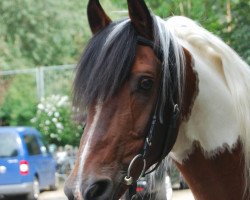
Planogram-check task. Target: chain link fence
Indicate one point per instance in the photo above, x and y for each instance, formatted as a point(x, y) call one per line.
point(41, 82)
point(21, 90)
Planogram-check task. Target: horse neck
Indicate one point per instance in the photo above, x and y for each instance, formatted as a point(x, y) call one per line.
point(217, 178)
point(208, 149)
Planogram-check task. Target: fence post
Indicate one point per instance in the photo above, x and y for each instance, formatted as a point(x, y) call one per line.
point(40, 82)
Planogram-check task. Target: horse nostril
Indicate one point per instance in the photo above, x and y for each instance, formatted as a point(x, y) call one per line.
point(99, 190)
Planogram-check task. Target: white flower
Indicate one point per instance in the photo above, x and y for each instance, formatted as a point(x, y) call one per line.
point(62, 101)
point(33, 120)
point(56, 114)
point(53, 135)
point(40, 106)
point(50, 114)
point(54, 120)
point(59, 126)
point(47, 122)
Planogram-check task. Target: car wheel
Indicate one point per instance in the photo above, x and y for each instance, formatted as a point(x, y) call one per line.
point(181, 186)
point(52, 187)
point(33, 195)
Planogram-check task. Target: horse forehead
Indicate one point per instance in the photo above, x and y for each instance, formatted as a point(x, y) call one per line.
point(145, 60)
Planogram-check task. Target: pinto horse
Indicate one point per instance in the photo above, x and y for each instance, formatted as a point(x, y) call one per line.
point(152, 88)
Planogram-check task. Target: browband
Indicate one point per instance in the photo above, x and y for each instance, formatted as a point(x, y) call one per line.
point(146, 42)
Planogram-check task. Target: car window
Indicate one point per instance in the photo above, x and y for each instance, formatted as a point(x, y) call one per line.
point(8, 145)
point(32, 144)
point(43, 147)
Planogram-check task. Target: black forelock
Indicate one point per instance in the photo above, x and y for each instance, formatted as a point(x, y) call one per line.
point(108, 58)
point(104, 65)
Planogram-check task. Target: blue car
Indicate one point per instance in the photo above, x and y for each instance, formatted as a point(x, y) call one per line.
point(26, 167)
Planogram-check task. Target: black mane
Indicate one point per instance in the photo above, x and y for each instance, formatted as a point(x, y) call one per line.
point(105, 65)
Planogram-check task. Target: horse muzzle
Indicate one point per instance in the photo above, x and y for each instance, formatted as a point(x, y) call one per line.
point(94, 189)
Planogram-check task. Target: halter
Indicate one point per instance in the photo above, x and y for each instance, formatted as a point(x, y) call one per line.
point(171, 127)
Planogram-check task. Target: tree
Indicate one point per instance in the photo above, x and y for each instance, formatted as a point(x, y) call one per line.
point(19, 103)
point(35, 33)
point(216, 16)
point(239, 34)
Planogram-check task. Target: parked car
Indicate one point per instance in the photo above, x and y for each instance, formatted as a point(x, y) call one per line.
point(159, 192)
point(169, 189)
point(177, 179)
point(26, 167)
point(183, 184)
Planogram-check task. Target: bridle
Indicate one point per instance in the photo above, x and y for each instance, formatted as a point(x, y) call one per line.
point(170, 128)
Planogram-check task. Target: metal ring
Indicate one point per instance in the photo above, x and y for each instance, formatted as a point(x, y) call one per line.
point(176, 108)
point(129, 179)
point(148, 141)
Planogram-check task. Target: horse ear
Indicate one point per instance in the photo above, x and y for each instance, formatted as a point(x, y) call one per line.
point(96, 16)
point(141, 18)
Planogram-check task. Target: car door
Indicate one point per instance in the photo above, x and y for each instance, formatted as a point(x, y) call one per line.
point(37, 164)
point(48, 162)
point(9, 163)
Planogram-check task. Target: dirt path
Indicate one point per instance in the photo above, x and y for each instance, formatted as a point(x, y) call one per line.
point(59, 195)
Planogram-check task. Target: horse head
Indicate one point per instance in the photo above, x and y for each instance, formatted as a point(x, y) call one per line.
point(131, 81)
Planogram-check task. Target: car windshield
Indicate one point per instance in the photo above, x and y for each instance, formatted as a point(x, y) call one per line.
point(8, 145)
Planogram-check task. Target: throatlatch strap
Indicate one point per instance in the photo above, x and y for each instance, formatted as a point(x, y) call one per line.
point(170, 129)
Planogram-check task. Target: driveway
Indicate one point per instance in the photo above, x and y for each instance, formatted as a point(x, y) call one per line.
point(59, 195)
point(53, 195)
point(182, 195)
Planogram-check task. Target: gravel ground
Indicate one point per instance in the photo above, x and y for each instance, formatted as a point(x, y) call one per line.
point(53, 195)
point(182, 195)
point(59, 195)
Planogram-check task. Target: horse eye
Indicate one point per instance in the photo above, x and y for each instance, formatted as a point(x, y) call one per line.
point(146, 84)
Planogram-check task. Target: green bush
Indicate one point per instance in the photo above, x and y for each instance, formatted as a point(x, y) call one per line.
point(54, 119)
point(18, 104)
point(41, 33)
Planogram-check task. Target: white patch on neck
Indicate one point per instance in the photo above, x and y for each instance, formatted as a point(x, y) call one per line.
point(220, 118)
point(213, 121)
point(85, 149)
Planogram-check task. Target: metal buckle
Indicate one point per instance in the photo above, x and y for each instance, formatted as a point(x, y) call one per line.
point(148, 141)
point(129, 179)
point(176, 109)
